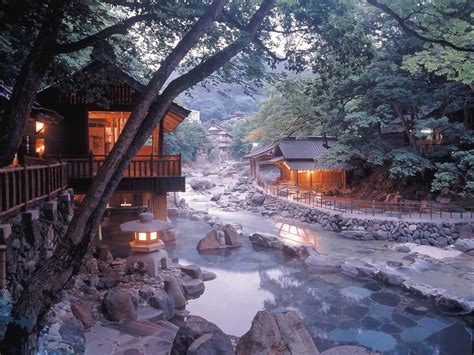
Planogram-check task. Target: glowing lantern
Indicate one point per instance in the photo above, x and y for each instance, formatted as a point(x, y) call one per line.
point(146, 232)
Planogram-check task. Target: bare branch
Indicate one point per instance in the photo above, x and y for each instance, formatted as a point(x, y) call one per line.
point(411, 32)
point(119, 28)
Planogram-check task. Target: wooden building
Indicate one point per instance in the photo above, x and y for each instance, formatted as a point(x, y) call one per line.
point(299, 167)
point(96, 103)
point(221, 139)
point(258, 156)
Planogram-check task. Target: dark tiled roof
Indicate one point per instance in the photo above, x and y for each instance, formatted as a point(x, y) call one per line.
point(258, 151)
point(303, 149)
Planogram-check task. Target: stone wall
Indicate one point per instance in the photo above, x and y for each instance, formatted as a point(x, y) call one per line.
point(31, 236)
point(420, 232)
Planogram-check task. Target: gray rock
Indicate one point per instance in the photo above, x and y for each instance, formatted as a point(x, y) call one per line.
point(193, 329)
point(173, 289)
point(210, 241)
point(161, 300)
point(193, 271)
point(201, 184)
point(320, 262)
point(464, 245)
point(118, 305)
point(208, 275)
point(72, 332)
point(82, 310)
point(357, 235)
point(266, 240)
point(211, 344)
point(193, 288)
point(276, 333)
point(390, 276)
point(257, 199)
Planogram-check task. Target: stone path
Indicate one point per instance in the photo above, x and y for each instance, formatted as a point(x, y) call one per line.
point(149, 335)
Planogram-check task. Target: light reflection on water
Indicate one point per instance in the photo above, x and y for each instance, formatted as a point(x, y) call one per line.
point(336, 309)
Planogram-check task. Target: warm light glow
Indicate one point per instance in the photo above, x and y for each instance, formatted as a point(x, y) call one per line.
point(39, 148)
point(426, 130)
point(153, 236)
point(142, 236)
point(39, 126)
point(125, 204)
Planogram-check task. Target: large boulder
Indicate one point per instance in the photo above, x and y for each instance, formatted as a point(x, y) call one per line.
point(465, 245)
point(72, 333)
point(193, 288)
point(257, 199)
point(163, 301)
point(202, 184)
point(219, 238)
point(82, 310)
point(276, 333)
point(320, 262)
point(118, 305)
point(210, 241)
point(266, 240)
point(198, 336)
point(174, 290)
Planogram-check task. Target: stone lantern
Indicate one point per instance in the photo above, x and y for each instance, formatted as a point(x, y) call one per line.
point(149, 235)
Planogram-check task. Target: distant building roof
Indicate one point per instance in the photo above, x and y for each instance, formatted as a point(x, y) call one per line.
point(260, 151)
point(218, 130)
point(303, 149)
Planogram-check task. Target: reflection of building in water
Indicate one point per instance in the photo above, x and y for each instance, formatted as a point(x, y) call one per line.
point(221, 140)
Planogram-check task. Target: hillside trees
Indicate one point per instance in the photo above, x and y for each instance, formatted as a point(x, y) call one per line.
point(358, 98)
point(214, 46)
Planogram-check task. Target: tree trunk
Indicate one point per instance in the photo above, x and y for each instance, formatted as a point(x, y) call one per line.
point(51, 275)
point(15, 121)
point(405, 126)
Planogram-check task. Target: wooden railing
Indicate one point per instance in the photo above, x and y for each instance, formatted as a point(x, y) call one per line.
point(140, 166)
point(402, 209)
point(23, 186)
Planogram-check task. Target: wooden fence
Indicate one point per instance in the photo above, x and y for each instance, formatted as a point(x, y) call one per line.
point(24, 186)
point(140, 166)
point(401, 209)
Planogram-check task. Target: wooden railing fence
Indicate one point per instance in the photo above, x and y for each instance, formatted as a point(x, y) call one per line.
point(140, 166)
point(23, 186)
point(401, 209)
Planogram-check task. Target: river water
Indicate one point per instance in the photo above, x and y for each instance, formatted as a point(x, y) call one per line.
point(337, 309)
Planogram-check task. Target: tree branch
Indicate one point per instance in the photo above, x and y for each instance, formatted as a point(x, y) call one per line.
point(208, 67)
point(119, 28)
point(411, 32)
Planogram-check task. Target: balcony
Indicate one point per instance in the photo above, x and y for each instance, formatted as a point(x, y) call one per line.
point(152, 173)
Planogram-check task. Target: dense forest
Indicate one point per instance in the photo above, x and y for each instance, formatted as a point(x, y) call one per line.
point(393, 80)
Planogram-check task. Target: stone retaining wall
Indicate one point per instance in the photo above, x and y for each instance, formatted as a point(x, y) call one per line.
point(31, 236)
point(424, 233)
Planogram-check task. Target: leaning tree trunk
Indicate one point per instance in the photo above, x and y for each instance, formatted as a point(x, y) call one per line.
point(15, 120)
point(51, 276)
point(405, 126)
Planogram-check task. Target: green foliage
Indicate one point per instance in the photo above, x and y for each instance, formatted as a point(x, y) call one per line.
point(406, 163)
point(186, 139)
point(241, 145)
point(457, 176)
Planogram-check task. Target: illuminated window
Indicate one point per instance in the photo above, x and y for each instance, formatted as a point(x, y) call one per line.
point(39, 146)
point(152, 235)
point(39, 126)
point(142, 236)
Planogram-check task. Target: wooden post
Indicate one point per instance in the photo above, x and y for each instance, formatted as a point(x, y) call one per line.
point(26, 185)
point(373, 207)
point(151, 164)
point(91, 164)
point(160, 138)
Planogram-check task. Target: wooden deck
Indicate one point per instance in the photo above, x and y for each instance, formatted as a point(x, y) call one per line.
point(153, 173)
point(24, 186)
